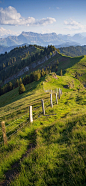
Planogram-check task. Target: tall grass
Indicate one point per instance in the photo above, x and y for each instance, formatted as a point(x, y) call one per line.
point(59, 156)
point(58, 137)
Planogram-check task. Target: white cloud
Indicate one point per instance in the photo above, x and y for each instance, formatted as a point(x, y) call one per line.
point(45, 21)
point(5, 32)
point(10, 16)
point(72, 24)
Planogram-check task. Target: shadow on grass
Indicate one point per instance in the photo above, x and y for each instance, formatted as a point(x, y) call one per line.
point(50, 133)
point(32, 86)
point(30, 136)
point(16, 167)
point(67, 62)
point(68, 161)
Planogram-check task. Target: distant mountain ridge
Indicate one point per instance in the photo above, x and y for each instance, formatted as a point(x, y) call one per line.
point(4, 49)
point(42, 39)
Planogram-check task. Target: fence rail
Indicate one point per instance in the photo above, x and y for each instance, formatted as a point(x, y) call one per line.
point(29, 117)
point(37, 100)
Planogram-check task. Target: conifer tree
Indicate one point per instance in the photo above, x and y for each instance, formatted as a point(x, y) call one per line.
point(56, 68)
point(0, 91)
point(21, 88)
point(10, 86)
point(37, 76)
point(57, 62)
point(20, 81)
point(42, 72)
point(61, 72)
point(17, 83)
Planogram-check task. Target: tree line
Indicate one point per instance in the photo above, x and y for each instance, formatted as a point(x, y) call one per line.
point(73, 51)
point(34, 76)
point(16, 64)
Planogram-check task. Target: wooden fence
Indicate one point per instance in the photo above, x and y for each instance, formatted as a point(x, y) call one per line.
point(4, 137)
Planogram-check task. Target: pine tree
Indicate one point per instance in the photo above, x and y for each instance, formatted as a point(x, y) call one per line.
point(46, 71)
point(0, 91)
point(10, 86)
point(37, 76)
point(27, 79)
point(42, 72)
point(21, 88)
point(16, 83)
point(61, 72)
point(57, 62)
point(20, 81)
point(31, 77)
point(56, 68)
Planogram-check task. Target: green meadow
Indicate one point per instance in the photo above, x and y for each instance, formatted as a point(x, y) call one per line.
point(51, 151)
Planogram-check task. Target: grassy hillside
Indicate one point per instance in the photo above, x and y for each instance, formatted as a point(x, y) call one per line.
point(73, 51)
point(51, 150)
point(72, 66)
point(78, 70)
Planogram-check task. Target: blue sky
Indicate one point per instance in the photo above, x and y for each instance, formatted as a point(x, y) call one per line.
point(42, 16)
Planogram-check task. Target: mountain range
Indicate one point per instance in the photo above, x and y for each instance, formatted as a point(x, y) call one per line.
point(42, 40)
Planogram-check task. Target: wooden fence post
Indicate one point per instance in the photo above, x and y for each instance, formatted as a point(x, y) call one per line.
point(56, 90)
point(51, 91)
point(56, 99)
point(30, 114)
point(51, 100)
point(59, 93)
point(4, 132)
point(43, 110)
